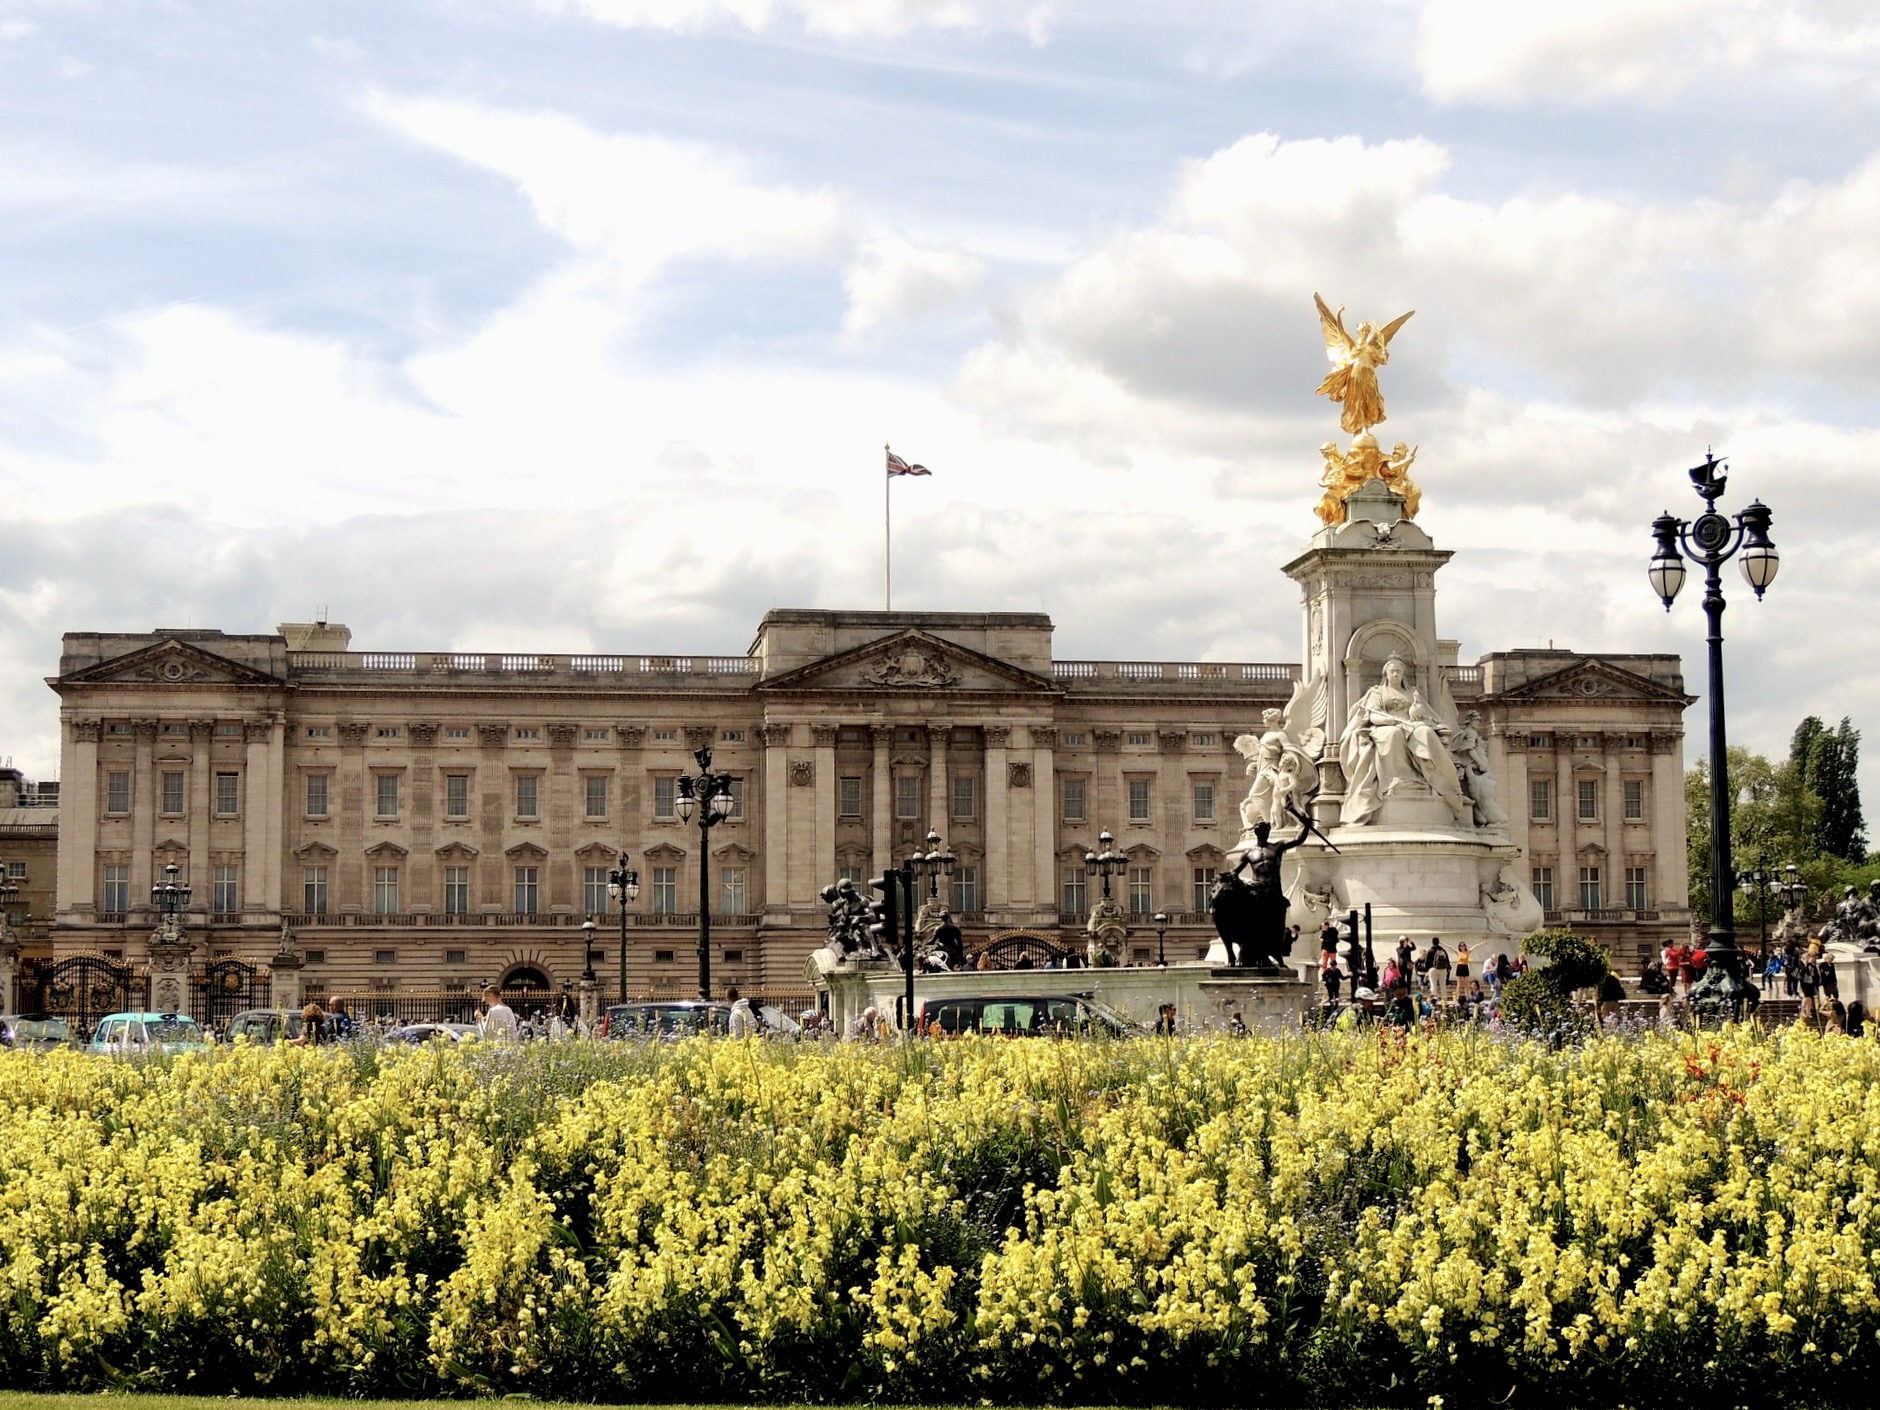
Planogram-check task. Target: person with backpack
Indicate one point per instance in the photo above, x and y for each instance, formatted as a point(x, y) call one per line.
point(1436, 965)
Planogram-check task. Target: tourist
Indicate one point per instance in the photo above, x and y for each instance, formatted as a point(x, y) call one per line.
point(339, 1023)
point(1678, 964)
point(1329, 974)
point(866, 1026)
point(1406, 956)
point(312, 1027)
point(1436, 964)
point(1772, 971)
point(1808, 980)
point(1654, 980)
point(1857, 1019)
point(1700, 959)
point(1830, 977)
point(1462, 961)
point(1165, 1021)
point(499, 1020)
point(1611, 995)
point(1791, 970)
point(744, 1023)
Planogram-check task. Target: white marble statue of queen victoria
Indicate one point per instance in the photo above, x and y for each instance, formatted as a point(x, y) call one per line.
point(1391, 740)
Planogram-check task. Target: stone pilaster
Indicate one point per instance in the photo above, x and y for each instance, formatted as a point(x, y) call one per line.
point(823, 863)
point(881, 818)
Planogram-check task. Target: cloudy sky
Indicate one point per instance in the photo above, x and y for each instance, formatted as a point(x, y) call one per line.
point(580, 324)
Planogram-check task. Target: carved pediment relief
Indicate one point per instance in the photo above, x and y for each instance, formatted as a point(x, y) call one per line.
point(456, 852)
point(1206, 856)
point(315, 852)
point(525, 852)
point(665, 853)
point(596, 853)
point(171, 662)
point(1595, 680)
point(387, 851)
point(731, 852)
point(914, 661)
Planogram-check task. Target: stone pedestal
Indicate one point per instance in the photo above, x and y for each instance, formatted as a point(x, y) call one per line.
point(9, 972)
point(590, 991)
point(286, 990)
point(169, 973)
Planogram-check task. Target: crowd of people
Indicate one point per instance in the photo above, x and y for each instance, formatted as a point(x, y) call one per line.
point(1411, 985)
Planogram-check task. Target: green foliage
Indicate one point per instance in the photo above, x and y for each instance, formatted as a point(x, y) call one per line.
point(1540, 1002)
point(1805, 810)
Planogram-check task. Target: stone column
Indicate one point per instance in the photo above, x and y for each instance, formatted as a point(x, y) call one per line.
point(1670, 864)
point(1507, 754)
point(560, 809)
point(938, 733)
point(1045, 894)
point(1613, 886)
point(78, 821)
point(823, 863)
point(270, 896)
point(261, 814)
point(1109, 803)
point(776, 739)
point(1566, 825)
point(143, 814)
point(9, 968)
point(881, 818)
point(998, 893)
point(350, 889)
point(200, 809)
point(425, 892)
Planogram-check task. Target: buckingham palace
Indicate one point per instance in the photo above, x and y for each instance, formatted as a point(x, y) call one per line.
point(437, 820)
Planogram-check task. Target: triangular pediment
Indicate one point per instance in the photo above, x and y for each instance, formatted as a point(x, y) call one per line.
point(914, 662)
point(170, 662)
point(1596, 681)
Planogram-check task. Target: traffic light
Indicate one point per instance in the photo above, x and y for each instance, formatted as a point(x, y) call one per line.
point(883, 929)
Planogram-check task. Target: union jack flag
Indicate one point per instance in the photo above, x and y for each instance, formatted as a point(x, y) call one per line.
point(898, 466)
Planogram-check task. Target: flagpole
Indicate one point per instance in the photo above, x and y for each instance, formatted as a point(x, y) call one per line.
point(887, 535)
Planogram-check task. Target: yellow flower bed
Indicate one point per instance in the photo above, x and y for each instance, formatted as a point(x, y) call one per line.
point(1329, 1219)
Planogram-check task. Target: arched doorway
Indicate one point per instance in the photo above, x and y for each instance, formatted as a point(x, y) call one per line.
point(524, 977)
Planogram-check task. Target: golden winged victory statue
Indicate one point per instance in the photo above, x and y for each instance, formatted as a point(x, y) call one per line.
point(1353, 382)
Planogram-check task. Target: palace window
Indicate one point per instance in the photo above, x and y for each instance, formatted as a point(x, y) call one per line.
point(596, 785)
point(1204, 883)
point(319, 731)
point(385, 957)
point(226, 895)
point(173, 793)
point(1588, 789)
point(1635, 800)
point(1204, 802)
point(1139, 800)
point(388, 732)
point(528, 890)
point(963, 796)
point(664, 792)
point(731, 891)
point(665, 891)
point(737, 801)
point(457, 732)
point(117, 792)
point(595, 736)
point(1141, 891)
point(1541, 799)
point(1635, 895)
point(594, 897)
point(385, 891)
point(1076, 792)
point(313, 890)
point(528, 795)
point(1074, 893)
point(227, 795)
point(387, 799)
point(1542, 879)
point(848, 797)
point(529, 733)
point(907, 796)
point(456, 797)
point(1589, 889)
point(965, 889)
point(456, 891)
point(316, 795)
point(117, 888)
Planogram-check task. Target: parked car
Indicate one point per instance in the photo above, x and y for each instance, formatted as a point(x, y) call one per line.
point(35, 1032)
point(264, 1026)
point(682, 1018)
point(126, 1034)
point(1040, 1016)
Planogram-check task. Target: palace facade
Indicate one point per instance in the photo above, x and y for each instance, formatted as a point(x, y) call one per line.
point(437, 820)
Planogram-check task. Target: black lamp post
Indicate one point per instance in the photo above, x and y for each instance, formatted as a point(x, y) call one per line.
point(1161, 933)
point(1107, 863)
point(1758, 882)
point(622, 886)
point(170, 897)
point(1713, 539)
point(709, 795)
point(929, 866)
point(9, 893)
point(1794, 892)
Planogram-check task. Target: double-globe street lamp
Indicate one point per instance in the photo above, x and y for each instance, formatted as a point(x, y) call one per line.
point(170, 898)
point(709, 795)
point(1759, 882)
point(1794, 891)
point(1106, 863)
point(623, 884)
point(899, 888)
point(1712, 539)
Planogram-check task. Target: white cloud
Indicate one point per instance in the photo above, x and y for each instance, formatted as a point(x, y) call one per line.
point(638, 202)
point(1589, 51)
point(892, 280)
point(840, 19)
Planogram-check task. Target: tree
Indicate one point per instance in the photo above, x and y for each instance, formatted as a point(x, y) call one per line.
point(1825, 765)
point(1758, 825)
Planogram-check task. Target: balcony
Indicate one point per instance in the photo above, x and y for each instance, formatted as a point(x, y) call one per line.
point(441, 667)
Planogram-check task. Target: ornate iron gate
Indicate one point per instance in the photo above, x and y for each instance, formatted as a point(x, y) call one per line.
point(226, 988)
point(84, 989)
